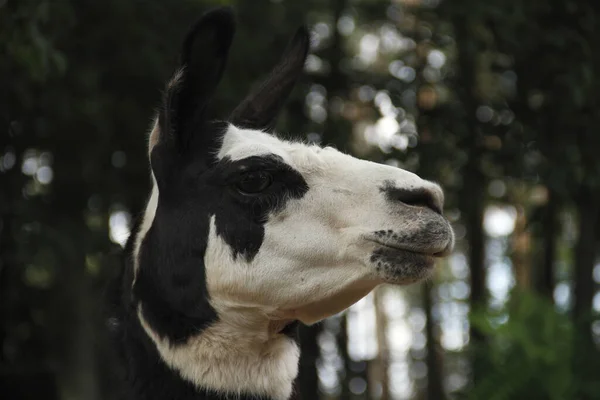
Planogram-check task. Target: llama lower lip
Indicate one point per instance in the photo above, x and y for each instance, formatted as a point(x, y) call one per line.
point(402, 248)
point(402, 266)
point(396, 254)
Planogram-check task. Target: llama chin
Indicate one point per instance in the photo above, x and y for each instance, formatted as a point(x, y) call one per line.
point(245, 234)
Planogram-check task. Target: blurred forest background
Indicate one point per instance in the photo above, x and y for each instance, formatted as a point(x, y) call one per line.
point(498, 100)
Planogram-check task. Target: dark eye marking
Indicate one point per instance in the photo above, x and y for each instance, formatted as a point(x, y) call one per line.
point(254, 182)
point(253, 189)
point(181, 229)
point(229, 170)
point(265, 178)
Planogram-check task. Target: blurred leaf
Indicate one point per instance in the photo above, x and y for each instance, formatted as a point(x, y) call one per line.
point(530, 354)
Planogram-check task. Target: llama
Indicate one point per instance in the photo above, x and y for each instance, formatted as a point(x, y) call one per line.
point(245, 235)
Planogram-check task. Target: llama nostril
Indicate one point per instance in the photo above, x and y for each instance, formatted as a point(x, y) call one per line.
point(420, 197)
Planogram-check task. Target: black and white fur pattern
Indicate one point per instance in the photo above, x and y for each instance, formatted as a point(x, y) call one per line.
point(244, 234)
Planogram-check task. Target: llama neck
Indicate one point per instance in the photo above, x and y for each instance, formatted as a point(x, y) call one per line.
point(239, 355)
point(183, 350)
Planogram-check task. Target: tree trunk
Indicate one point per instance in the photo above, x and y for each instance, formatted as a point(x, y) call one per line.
point(520, 249)
point(342, 343)
point(472, 195)
point(476, 255)
point(79, 373)
point(383, 355)
point(435, 388)
point(9, 274)
point(474, 210)
point(550, 228)
point(337, 130)
point(307, 384)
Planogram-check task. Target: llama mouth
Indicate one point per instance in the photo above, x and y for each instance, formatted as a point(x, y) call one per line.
point(434, 252)
point(404, 263)
point(401, 266)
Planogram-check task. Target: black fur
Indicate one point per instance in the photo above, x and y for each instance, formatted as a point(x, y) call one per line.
point(144, 374)
point(194, 186)
point(260, 109)
point(203, 60)
point(240, 218)
point(171, 281)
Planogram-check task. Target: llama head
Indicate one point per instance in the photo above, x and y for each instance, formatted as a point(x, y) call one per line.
point(242, 220)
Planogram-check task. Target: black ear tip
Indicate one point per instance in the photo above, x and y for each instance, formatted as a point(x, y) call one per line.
point(218, 23)
point(219, 16)
point(302, 37)
point(222, 18)
point(299, 46)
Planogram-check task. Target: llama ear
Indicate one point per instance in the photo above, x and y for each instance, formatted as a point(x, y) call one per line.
point(260, 109)
point(189, 92)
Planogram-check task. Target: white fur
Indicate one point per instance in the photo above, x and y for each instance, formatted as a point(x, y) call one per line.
point(150, 211)
point(234, 358)
point(145, 227)
point(314, 261)
point(239, 353)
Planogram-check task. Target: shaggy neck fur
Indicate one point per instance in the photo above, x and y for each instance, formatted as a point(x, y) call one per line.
point(243, 355)
point(240, 354)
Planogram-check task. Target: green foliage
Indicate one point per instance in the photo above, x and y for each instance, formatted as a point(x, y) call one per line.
point(529, 352)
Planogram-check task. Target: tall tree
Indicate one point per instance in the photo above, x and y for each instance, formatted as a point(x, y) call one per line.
point(307, 383)
point(471, 197)
point(435, 388)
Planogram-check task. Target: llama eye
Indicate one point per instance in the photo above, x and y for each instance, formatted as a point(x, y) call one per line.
point(254, 182)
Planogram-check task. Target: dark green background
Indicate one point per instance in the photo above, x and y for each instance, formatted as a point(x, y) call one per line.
point(510, 119)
